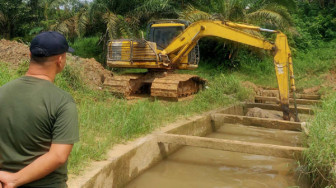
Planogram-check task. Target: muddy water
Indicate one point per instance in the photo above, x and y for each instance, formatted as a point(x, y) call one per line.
point(192, 167)
point(257, 135)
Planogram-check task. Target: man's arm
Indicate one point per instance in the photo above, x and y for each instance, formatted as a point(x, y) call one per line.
point(42, 166)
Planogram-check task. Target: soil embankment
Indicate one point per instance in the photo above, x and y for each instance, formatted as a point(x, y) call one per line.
point(14, 54)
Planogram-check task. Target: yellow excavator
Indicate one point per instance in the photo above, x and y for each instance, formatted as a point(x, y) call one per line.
point(173, 44)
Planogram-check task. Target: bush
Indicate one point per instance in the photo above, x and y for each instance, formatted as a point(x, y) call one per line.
point(321, 153)
point(313, 24)
point(88, 48)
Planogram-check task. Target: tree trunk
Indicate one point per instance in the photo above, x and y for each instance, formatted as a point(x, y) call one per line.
point(7, 33)
point(322, 3)
point(45, 12)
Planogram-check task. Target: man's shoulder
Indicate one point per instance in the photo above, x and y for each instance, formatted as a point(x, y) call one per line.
point(59, 96)
point(10, 83)
point(64, 94)
point(43, 87)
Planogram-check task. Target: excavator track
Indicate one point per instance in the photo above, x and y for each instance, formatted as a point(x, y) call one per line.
point(176, 86)
point(123, 85)
point(161, 85)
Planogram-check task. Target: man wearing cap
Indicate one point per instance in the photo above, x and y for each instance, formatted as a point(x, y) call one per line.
point(38, 121)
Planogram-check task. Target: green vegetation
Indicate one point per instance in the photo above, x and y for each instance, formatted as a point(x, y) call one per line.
point(309, 67)
point(87, 47)
point(5, 75)
point(320, 157)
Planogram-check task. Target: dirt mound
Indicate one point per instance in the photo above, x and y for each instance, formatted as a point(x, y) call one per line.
point(252, 86)
point(93, 73)
point(312, 90)
point(260, 91)
point(14, 53)
point(331, 79)
point(270, 93)
point(260, 113)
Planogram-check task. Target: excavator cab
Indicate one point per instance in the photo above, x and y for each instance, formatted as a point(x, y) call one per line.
point(163, 32)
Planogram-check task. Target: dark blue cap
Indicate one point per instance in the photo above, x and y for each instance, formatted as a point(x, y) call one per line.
point(49, 43)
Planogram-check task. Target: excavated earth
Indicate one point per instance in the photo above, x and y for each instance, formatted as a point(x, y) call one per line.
point(14, 54)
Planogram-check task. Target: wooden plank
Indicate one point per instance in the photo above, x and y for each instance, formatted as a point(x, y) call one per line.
point(255, 121)
point(233, 145)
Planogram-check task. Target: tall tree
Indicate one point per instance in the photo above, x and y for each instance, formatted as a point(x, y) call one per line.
point(14, 16)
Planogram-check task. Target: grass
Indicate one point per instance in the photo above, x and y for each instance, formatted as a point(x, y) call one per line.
point(5, 74)
point(320, 158)
point(88, 47)
point(309, 67)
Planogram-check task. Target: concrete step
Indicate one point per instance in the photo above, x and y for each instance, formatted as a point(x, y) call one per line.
point(219, 119)
point(291, 100)
point(233, 145)
point(302, 110)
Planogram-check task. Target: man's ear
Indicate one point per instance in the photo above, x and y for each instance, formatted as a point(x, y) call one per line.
point(59, 61)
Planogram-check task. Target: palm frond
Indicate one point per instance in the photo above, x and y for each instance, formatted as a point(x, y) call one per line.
point(62, 27)
point(97, 8)
point(192, 14)
point(72, 26)
point(158, 8)
point(283, 11)
point(111, 22)
point(117, 26)
point(277, 20)
point(233, 10)
point(81, 20)
point(289, 4)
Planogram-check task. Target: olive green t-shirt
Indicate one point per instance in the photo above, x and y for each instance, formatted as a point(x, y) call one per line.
point(34, 113)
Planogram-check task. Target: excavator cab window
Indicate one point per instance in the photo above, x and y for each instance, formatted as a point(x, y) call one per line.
point(164, 33)
point(163, 36)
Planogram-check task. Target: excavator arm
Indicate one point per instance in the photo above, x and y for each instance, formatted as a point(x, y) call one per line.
point(180, 47)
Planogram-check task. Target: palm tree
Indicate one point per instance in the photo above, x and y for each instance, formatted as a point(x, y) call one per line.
point(73, 26)
point(257, 12)
point(156, 9)
point(3, 24)
point(116, 25)
point(270, 14)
